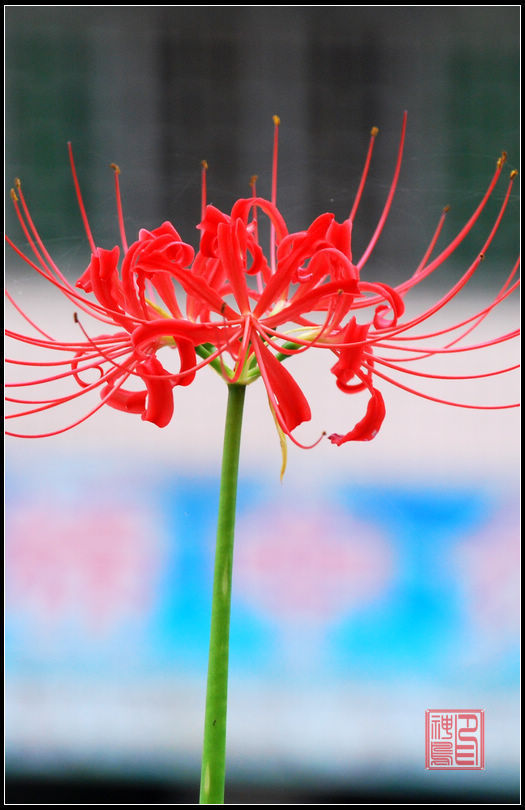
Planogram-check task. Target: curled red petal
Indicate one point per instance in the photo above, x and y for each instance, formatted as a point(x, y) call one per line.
point(243, 207)
point(368, 427)
point(127, 401)
point(165, 229)
point(350, 359)
point(208, 227)
point(180, 330)
point(394, 302)
point(328, 261)
point(340, 236)
point(159, 401)
point(292, 252)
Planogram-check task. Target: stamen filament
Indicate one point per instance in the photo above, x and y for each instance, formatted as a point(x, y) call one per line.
point(373, 134)
point(124, 241)
point(80, 200)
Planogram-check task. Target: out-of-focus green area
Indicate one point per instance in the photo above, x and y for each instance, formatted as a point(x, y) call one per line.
point(158, 89)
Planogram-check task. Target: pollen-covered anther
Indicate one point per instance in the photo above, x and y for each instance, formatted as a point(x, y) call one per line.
point(501, 160)
point(374, 131)
point(18, 182)
point(204, 164)
point(13, 195)
point(446, 209)
point(513, 174)
point(115, 168)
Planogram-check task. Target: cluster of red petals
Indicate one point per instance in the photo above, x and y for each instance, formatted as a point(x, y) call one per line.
point(230, 306)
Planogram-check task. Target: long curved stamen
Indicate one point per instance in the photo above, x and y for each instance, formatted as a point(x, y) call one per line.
point(276, 122)
point(438, 261)
point(382, 361)
point(26, 317)
point(80, 200)
point(373, 134)
point(71, 372)
point(377, 233)
point(425, 271)
point(474, 320)
point(90, 307)
point(432, 243)
point(43, 257)
point(116, 172)
point(62, 345)
point(437, 399)
point(504, 293)
point(430, 350)
point(388, 332)
point(204, 169)
point(68, 427)
point(52, 403)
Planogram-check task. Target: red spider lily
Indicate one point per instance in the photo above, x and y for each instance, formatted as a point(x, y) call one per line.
point(258, 311)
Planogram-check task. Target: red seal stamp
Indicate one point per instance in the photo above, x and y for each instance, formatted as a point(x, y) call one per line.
point(454, 739)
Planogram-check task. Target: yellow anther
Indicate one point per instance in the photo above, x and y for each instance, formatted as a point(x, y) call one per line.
point(513, 174)
point(446, 209)
point(204, 164)
point(253, 179)
point(13, 195)
point(276, 120)
point(374, 131)
point(115, 168)
point(501, 160)
point(18, 182)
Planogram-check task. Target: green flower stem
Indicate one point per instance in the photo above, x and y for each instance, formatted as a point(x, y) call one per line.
point(288, 345)
point(204, 350)
point(214, 748)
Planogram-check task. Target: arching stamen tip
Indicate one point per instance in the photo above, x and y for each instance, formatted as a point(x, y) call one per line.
point(13, 195)
point(513, 174)
point(115, 168)
point(276, 120)
point(374, 131)
point(446, 209)
point(204, 164)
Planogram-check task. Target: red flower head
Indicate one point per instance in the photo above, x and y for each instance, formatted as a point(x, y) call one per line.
point(244, 313)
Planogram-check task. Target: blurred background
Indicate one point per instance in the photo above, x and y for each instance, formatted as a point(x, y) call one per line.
point(379, 579)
